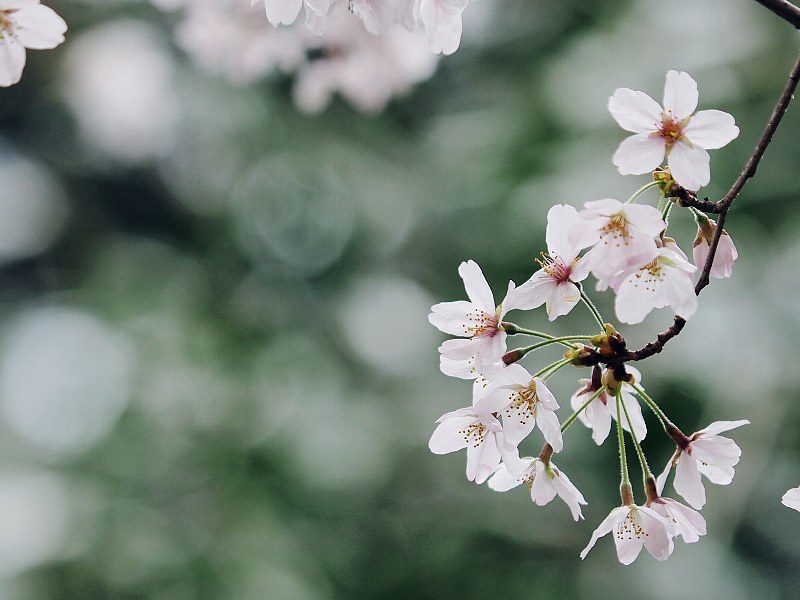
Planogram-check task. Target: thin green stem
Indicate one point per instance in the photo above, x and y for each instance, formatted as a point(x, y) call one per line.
point(642, 460)
point(665, 212)
point(623, 460)
point(553, 367)
point(653, 406)
point(642, 190)
point(593, 308)
point(516, 329)
point(575, 415)
point(557, 340)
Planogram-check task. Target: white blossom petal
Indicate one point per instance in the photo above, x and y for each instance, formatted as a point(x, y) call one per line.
point(39, 27)
point(680, 94)
point(689, 165)
point(711, 129)
point(478, 290)
point(608, 524)
point(640, 153)
point(442, 19)
point(12, 61)
point(792, 498)
point(635, 111)
point(688, 482)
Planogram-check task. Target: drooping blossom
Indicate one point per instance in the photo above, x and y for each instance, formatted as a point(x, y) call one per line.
point(477, 321)
point(726, 251)
point(622, 236)
point(790, 498)
point(554, 284)
point(664, 281)
point(25, 24)
point(635, 527)
point(600, 411)
point(686, 522)
point(441, 19)
point(476, 429)
point(707, 453)
point(544, 480)
point(671, 132)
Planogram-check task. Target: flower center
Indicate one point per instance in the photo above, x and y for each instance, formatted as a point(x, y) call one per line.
point(671, 129)
point(554, 267)
point(616, 230)
point(649, 276)
point(630, 528)
point(523, 403)
point(481, 323)
point(474, 434)
point(6, 23)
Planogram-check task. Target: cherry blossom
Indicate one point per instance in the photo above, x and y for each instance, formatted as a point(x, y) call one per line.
point(25, 24)
point(671, 132)
point(477, 321)
point(790, 498)
point(726, 251)
point(544, 480)
point(525, 402)
point(634, 527)
point(664, 281)
point(622, 236)
point(600, 411)
point(706, 453)
point(686, 522)
point(554, 284)
point(476, 429)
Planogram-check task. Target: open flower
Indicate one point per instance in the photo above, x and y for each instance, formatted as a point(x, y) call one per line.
point(634, 527)
point(671, 132)
point(707, 453)
point(726, 251)
point(599, 412)
point(790, 498)
point(478, 321)
point(524, 401)
point(664, 281)
point(622, 236)
point(554, 284)
point(686, 522)
point(25, 24)
point(545, 481)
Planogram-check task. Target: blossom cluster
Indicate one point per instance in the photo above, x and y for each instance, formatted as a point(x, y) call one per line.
point(366, 69)
point(441, 19)
point(624, 246)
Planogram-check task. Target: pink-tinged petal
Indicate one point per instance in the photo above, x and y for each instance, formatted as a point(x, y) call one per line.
point(608, 525)
point(482, 460)
point(12, 4)
point(442, 19)
point(493, 402)
point(718, 427)
point(460, 349)
point(463, 369)
point(680, 294)
point(39, 27)
point(661, 480)
point(542, 491)
point(687, 482)
point(447, 438)
point(635, 414)
point(545, 396)
point(634, 301)
point(687, 522)
point(451, 317)
point(517, 425)
point(568, 493)
point(628, 546)
point(725, 257)
point(635, 111)
point(689, 165)
point(533, 293)
point(282, 12)
point(550, 428)
point(561, 218)
point(646, 219)
point(478, 291)
point(640, 153)
point(716, 457)
point(580, 270)
point(12, 61)
point(503, 480)
point(711, 129)
point(599, 418)
point(680, 94)
point(564, 298)
point(792, 498)
point(658, 540)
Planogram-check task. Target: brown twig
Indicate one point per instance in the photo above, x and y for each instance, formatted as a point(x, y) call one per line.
point(785, 10)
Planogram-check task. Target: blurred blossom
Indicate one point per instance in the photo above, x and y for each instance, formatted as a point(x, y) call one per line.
point(376, 306)
point(64, 378)
point(32, 208)
point(118, 81)
point(302, 218)
point(33, 519)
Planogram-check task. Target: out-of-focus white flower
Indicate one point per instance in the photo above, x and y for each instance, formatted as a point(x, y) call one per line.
point(664, 281)
point(598, 414)
point(670, 132)
point(477, 320)
point(25, 24)
point(726, 251)
point(525, 401)
point(706, 454)
point(621, 236)
point(790, 498)
point(634, 527)
point(686, 522)
point(554, 284)
point(545, 481)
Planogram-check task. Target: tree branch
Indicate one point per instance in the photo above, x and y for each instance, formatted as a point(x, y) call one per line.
point(785, 10)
